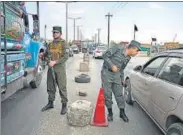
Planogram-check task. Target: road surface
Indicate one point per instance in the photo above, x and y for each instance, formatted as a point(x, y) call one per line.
point(21, 113)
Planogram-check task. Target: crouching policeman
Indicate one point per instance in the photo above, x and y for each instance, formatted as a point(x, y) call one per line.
point(112, 75)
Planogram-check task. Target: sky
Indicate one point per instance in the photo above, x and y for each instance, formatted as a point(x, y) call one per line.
point(162, 20)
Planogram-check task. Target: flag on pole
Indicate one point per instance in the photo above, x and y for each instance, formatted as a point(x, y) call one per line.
point(154, 39)
point(135, 28)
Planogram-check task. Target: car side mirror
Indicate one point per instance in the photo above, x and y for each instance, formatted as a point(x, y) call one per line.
point(138, 68)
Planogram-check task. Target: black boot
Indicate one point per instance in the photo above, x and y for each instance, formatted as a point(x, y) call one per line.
point(64, 109)
point(110, 114)
point(48, 106)
point(123, 115)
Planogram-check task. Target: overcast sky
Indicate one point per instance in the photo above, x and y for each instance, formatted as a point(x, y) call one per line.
point(154, 19)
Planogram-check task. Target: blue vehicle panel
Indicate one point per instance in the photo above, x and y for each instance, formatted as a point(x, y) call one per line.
point(32, 47)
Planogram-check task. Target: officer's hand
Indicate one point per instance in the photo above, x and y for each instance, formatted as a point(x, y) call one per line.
point(52, 63)
point(115, 68)
point(123, 83)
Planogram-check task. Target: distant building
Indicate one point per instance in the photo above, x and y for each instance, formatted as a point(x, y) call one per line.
point(170, 45)
point(181, 45)
point(124, 43)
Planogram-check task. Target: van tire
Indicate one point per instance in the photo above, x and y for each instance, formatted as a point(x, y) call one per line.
point(38, 76)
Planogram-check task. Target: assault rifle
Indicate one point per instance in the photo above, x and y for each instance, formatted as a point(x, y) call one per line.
point(49, 59)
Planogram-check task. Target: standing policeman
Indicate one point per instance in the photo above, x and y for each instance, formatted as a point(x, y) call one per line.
point(112, 75)
point(57, 51)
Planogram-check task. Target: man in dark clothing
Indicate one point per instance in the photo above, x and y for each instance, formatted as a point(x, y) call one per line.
point(112, 75)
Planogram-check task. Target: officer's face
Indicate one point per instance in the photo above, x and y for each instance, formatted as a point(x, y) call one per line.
point(134, 51)
point(56, 35)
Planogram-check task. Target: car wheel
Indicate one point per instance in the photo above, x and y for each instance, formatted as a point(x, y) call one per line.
point(175, 129)
point(127, 92)
point(83, 78)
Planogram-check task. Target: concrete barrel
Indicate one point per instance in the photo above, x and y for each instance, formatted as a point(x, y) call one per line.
point(79, 113)
point(84, 67)
point(86, 59)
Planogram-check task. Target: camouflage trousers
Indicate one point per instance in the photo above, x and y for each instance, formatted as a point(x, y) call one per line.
point(61, 82)
point(112, 84)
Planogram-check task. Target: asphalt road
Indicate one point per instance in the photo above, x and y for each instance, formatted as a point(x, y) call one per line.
point(21, 113)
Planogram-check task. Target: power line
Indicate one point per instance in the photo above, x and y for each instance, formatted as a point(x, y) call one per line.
point(122, 5)
point(114, 7)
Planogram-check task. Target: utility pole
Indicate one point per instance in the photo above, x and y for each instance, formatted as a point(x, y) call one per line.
point(81, 35)
point(95, 39)
point(108, 37)
point(78, 31)
point(45, 32)
point(66, 18)
point(38, 17)
point(74, 19)
point(98, 35)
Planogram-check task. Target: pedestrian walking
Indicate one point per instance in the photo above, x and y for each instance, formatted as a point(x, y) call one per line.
point(112, 75)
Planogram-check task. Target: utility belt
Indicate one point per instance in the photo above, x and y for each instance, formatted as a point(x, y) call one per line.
point(108, 69)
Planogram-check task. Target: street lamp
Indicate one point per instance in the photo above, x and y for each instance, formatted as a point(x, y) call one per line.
point(66, 16)
point(78, 26)
point(74, 19)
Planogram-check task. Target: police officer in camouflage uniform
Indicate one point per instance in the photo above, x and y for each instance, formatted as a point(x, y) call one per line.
point(112, 75)
point(57, 51)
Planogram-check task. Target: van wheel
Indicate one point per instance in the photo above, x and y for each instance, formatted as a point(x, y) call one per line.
point(175, 129)
point(38, 76)
point(127, 92)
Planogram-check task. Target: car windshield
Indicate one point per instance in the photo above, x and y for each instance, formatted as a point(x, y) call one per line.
point(74, 46)
point(103, 48)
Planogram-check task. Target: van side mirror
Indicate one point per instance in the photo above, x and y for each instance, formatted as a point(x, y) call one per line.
point(138, 68)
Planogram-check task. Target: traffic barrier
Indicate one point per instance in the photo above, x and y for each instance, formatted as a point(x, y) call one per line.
point(99, 115)
point(84, 67)
point(79, 113)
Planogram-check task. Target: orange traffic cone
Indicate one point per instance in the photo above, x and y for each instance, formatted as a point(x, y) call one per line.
point(99, 116)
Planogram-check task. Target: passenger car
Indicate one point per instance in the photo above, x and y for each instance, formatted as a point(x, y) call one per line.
point(157, 86)
point(70, 52)
point(98, 52)
point(75, 49)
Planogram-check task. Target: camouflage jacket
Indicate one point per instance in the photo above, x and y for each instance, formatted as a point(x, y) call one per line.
point(116, 56)
point(57, 51)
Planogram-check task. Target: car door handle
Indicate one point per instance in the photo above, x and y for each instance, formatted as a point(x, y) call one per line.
point(171, 97)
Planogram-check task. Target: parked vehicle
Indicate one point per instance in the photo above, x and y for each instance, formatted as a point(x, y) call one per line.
point(71, 54)
point(20, 51)
point(75, 49)
point(91, 49)
point(157, 86)
point(98, 52)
